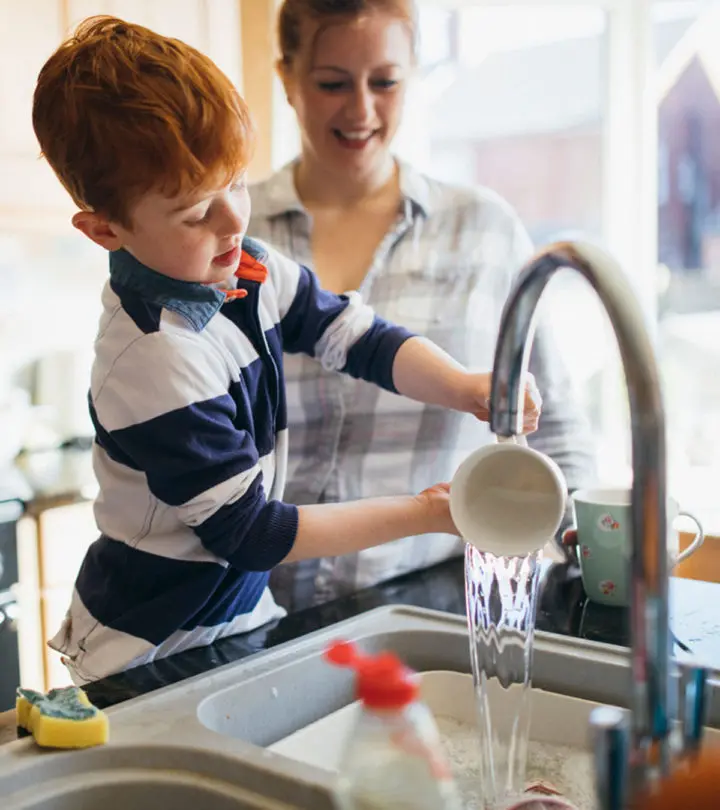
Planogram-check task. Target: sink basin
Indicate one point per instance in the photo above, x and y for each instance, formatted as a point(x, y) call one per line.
point(560, 748)
point(306, 688)
point(247, 713)
point(559, 751)
point(137, 777)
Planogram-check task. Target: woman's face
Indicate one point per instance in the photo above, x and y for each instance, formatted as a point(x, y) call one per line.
point(347, 87)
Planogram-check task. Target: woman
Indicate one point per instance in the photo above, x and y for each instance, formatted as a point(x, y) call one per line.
point(436, 258)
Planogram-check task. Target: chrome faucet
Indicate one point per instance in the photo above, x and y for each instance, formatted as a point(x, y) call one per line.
point(629, 755)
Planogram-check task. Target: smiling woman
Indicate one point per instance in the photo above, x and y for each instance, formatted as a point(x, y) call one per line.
point(437, 258)
point(345, 68)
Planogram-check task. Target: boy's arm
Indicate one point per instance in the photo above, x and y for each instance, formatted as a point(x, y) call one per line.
point(423, 371)
point(332, 529)
point(345, 335)
point(164, 411)
point(340, 331)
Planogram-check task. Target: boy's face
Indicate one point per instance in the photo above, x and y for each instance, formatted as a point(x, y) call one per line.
point(194, 237)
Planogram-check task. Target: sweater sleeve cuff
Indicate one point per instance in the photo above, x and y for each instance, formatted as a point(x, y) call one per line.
point(269, 540)
point(373, 356)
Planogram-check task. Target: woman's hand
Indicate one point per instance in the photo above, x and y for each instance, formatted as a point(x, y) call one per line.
point(476, 399)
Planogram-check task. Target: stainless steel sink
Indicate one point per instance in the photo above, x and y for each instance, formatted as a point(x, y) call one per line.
point(136, 776)
point(228, 719)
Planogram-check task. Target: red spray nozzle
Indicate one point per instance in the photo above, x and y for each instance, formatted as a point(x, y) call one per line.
point(383, 682)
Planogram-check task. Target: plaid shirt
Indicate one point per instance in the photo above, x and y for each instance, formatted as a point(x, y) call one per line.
point(444, 270)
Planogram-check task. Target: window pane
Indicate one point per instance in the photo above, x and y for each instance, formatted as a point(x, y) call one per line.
point(519, 106)
point(689, 248)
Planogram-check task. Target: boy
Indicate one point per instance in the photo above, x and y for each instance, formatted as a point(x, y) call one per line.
point(152, 140)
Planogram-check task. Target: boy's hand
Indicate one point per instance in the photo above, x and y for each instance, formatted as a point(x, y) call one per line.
point(476, 399)
point(435, 502)
point(331, 529)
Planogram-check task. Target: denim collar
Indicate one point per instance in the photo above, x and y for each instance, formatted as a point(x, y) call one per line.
point(197, 303)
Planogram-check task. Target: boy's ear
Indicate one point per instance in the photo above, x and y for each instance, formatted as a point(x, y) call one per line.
point(98, 228)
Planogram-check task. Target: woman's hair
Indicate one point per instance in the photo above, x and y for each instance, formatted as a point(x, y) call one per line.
point(294, 12)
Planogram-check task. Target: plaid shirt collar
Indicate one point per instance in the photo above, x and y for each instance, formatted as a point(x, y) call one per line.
point(282, 197)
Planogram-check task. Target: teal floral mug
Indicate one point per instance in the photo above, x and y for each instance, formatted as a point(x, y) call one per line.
point(602, 518)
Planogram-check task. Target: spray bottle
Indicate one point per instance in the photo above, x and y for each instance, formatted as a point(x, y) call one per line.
point(394, 759)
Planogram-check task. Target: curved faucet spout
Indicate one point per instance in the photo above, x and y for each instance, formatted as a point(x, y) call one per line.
point(650, 687)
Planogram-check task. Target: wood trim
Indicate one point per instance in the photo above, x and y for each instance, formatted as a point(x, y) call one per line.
point(705, 563)
point(40, 557)
point(257, 29)
point(31, 637)
point(65, 17)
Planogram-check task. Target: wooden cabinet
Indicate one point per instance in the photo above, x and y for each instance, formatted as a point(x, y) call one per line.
point(705, 563)
point(262, 88)
point(64, 535)
point(52, 546)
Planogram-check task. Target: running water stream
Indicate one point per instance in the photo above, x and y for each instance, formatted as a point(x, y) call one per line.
point(501, 598)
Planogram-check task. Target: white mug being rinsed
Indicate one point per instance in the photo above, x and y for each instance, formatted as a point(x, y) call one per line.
point(507, 498)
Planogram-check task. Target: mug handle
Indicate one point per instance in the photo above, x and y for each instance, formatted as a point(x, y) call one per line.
point(520, 440)
point(696, 543)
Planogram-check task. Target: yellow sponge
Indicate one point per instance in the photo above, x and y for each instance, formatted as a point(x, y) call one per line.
point(64, 718)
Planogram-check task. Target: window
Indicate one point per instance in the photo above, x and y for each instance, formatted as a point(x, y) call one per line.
point(535, 101)
point(598, 119)
point(688, 210)
point(519, 104)
point(520, 109)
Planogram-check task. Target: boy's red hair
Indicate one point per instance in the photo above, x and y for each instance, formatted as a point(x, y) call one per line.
point(119, 110)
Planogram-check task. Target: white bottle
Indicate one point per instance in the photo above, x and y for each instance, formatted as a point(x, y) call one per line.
point(394, 759)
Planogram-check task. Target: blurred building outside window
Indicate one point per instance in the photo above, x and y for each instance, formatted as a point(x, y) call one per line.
point(552, 106)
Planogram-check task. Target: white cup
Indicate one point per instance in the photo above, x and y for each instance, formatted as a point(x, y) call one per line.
point(507, 498)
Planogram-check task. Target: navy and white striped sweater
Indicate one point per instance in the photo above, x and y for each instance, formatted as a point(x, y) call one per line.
point(187, 398)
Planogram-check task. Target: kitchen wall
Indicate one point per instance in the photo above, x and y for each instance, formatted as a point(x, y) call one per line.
point(50, 286)
point(49, 306)
point(50, 275)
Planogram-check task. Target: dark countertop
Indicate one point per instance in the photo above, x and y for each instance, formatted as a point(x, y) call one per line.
point(44, 480)
point(695, 620)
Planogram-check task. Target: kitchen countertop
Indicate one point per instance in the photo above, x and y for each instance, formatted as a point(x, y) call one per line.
point(7, 727)
point(563, 609)
point(62, 477)
point(695, 620)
